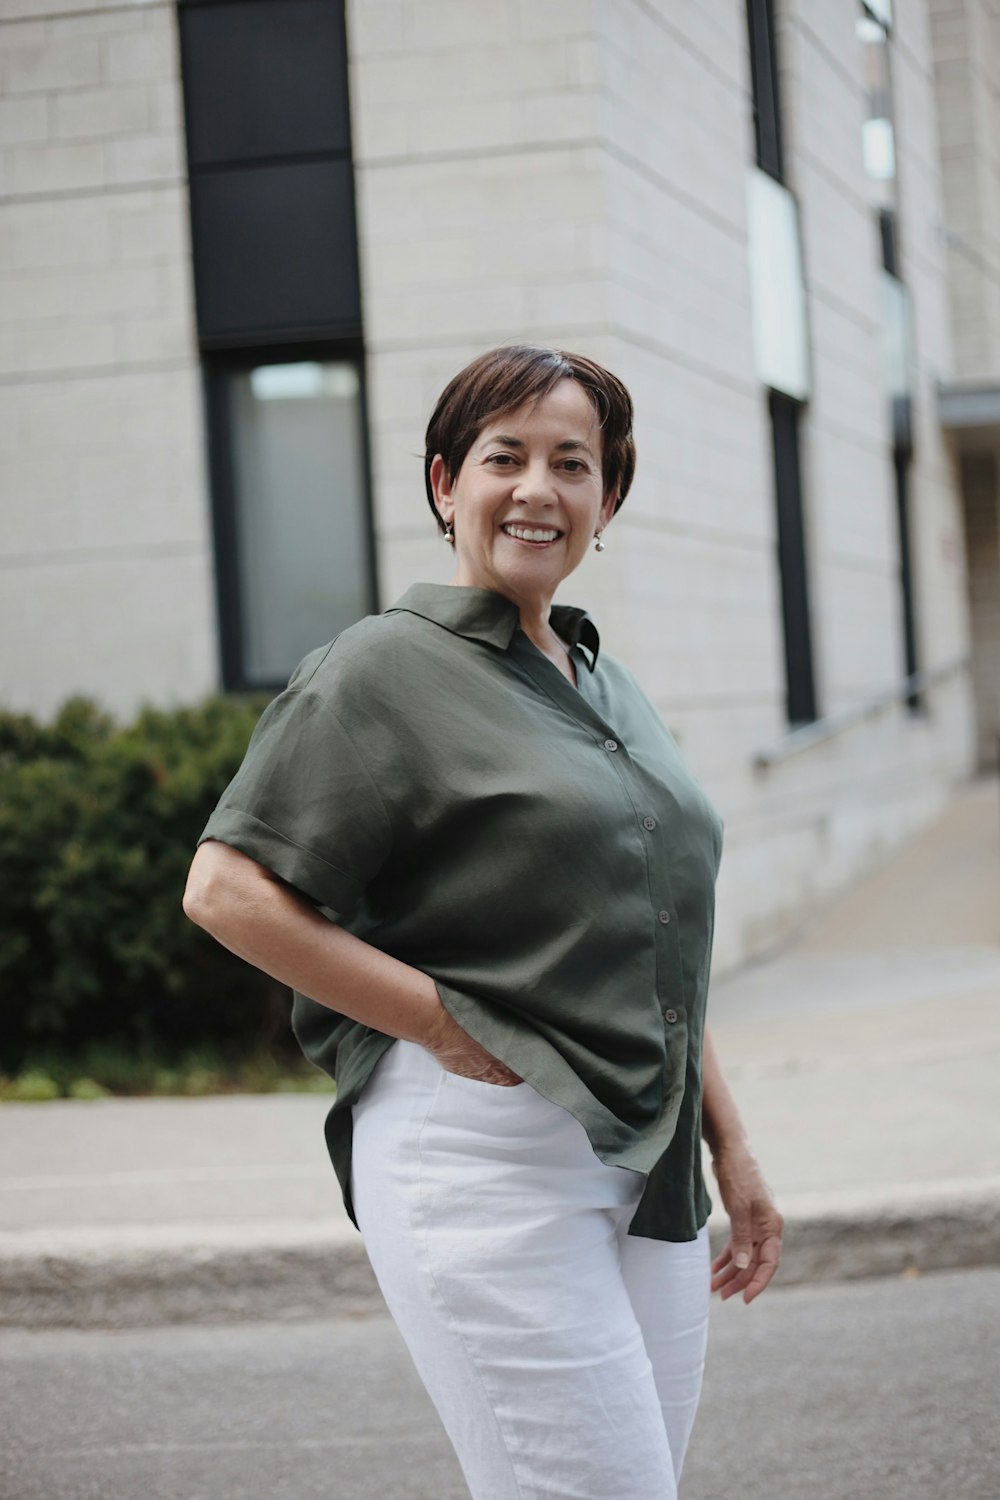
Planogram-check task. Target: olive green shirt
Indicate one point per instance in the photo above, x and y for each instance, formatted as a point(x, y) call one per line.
point(431, 781)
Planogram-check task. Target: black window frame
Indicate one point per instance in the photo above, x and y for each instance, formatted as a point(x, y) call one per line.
point(766, 99)
point(796, 616)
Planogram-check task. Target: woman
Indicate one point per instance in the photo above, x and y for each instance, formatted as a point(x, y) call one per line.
point(465, 840)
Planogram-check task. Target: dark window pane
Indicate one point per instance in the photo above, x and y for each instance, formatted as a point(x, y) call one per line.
point(264, 80)
point(764, 86)
point(275, 252)
point(801, 700)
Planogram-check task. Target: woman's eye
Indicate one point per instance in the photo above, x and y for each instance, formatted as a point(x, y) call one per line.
point(502, 460)
point(575, 465)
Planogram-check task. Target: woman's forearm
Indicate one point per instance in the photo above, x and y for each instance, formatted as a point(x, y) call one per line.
point(721, 1124)
point(264, 921)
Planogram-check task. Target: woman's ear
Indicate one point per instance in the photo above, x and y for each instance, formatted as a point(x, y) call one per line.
point(441, 487)
point(608, 508)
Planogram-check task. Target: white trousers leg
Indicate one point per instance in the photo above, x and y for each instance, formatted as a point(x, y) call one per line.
point(564, 1356)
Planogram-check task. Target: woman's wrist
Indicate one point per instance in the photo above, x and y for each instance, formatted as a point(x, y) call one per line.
point(431, 1021)
point(726, 1140)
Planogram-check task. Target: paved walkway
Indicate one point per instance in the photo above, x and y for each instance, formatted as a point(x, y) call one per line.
point(865, 1060)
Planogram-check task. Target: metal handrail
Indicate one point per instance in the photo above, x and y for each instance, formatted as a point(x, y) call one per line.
point(808, 735)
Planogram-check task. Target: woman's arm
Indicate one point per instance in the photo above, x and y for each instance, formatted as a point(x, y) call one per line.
point(260, 918)
point(751, 1255)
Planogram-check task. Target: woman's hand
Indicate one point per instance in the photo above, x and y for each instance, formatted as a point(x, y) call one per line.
point(458, 1052)
point(753, 1250)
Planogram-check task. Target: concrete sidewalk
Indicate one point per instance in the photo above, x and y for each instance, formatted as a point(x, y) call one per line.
point(866, 1061)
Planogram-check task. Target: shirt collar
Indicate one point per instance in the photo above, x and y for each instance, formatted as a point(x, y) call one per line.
point(482, 615)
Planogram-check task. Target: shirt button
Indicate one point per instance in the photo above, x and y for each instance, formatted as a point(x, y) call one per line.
point(670, 1015)
point(663, 916)
point(611, 745)
point(649, 823)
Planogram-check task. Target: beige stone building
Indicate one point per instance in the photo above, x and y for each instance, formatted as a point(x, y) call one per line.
point(243, 244)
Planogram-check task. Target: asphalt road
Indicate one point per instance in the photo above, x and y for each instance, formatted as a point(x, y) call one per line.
point(877, 1390)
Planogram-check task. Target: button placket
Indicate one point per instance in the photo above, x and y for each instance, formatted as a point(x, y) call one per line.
point(670, 986)
point(579, 707)
point(671, 976)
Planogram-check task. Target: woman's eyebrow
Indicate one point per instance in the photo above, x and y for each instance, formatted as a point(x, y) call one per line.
point(569, 445)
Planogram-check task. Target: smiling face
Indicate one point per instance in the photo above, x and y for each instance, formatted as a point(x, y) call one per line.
point(528, 498)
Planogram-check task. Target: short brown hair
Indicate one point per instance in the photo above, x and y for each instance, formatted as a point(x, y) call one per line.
point(504, 379)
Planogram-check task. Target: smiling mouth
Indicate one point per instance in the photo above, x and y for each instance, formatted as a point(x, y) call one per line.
point(535, 534)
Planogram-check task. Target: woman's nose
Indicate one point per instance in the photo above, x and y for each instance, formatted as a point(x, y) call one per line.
point(535, 484)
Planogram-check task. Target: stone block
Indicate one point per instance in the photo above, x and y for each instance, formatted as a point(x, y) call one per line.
point(104, 19)
point(30, 66)
point(56, 234)
point(492, 195)
point(22, 13)
point(374, 29)
point(123, 491)
point(63, 168)
point(44, 346)
point(545, 19)
point(496, 313)
point(382, 132)
point(166, 109)
point(571, 301)
point(95, 292)
point(851, 495)
point(859, 634)
point(145, 158)
point(90, 113)
point(434, 24)
point(24, 119)
point(62, 620)
point(145, 56)
point(153, 338)
point(150, 227)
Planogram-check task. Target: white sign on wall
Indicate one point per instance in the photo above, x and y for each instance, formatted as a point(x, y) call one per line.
point(777, 287)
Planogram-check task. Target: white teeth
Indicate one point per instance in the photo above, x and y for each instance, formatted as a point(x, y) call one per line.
point(524, 534)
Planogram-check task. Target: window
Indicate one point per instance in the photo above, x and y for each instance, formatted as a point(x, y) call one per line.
point(878, 141)
point(764, 81)
point(268, 137)
point(801, 688)
point(292, 530)
point(278, 302)
point(781, 351)
point(878, 152)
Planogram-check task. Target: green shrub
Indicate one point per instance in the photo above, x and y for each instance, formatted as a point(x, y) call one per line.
point(31, 1087)
point(100, 970)
point(86, 1088)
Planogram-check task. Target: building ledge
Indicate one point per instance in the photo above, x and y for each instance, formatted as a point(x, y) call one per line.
point(969, 405)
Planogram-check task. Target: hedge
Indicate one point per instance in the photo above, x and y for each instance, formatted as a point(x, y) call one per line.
point(98, 824)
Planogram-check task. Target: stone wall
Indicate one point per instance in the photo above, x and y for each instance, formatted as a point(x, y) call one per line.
point(576, 174)
point(104, 550)
point(966, 40)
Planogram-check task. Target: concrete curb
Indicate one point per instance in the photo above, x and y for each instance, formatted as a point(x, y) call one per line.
point(894, 1240)
point(185, 1274)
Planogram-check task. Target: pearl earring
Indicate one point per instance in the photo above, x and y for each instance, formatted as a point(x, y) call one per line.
point(598, 541)
point(449, 535)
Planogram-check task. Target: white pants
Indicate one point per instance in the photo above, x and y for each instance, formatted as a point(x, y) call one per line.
point(564, 1356)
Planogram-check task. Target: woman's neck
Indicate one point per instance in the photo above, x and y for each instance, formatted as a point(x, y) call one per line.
point(536, 626)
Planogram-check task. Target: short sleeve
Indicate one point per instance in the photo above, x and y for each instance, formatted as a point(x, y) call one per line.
point(304, 805)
